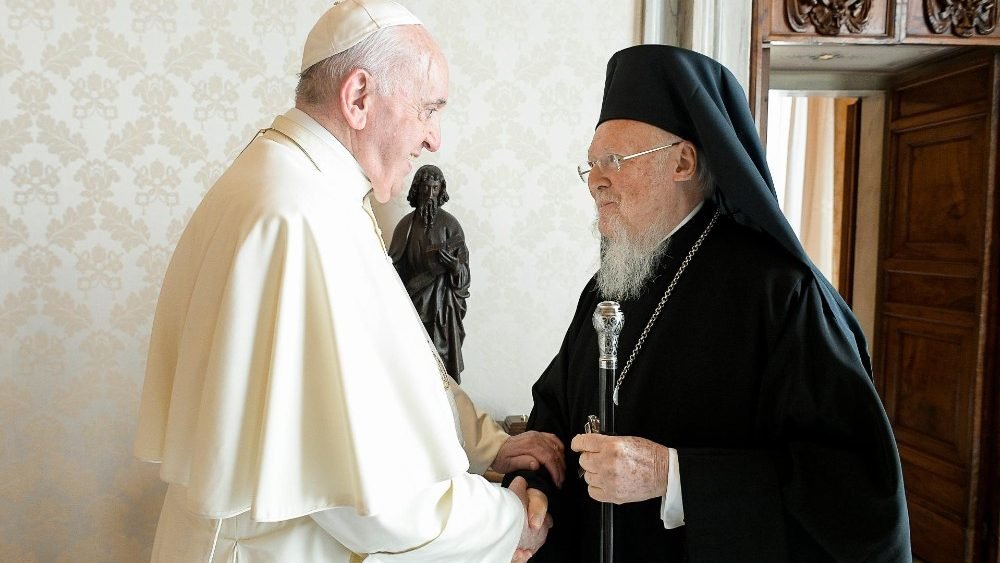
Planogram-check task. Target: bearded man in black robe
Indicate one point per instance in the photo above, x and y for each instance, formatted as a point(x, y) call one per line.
point(748, 427)
point(429, 252)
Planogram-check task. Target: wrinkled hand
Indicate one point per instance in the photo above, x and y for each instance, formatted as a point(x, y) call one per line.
point(531, 450)
point(622, 469)
point(537, 521)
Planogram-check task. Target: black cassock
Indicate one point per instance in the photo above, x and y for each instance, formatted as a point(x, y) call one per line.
point(785, 452)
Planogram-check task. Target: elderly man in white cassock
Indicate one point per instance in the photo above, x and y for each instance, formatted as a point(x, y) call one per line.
point(292, 397)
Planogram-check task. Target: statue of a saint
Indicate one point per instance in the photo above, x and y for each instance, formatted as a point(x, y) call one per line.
point(429, 252)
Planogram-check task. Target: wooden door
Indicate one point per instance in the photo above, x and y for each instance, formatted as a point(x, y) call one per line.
point(936, 310)
point(845, 199)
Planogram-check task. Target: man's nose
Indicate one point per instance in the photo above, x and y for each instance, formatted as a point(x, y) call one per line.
point(433, 140)
point(596, 181)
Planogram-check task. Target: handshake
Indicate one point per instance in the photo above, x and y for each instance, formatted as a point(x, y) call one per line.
point(530, 451)
point(617, 469)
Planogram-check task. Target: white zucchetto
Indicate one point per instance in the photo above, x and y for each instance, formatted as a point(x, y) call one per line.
point(347, 23)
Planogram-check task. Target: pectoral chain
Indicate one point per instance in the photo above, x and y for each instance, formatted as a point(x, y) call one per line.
point(441, 369)
point(659, 306)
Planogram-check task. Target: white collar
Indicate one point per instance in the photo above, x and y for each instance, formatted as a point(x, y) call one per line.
point(320, 140)
point(685, 220)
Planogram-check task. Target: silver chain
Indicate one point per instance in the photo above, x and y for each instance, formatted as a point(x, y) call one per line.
point(663, 301)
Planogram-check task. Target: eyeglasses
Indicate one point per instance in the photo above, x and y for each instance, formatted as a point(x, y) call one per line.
point(614, 161)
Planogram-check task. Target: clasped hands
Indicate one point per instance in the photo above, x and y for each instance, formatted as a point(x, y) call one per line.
point(532, 450)
point(617, 469)
point(529, 451)
point(537, 520)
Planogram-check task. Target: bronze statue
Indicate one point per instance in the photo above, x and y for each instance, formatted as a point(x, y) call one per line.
point(429, 252)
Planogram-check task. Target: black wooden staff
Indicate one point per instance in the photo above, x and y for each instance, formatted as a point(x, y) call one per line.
point(608, 320)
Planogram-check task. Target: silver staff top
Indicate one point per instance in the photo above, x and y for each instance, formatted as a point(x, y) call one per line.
point(608, 320)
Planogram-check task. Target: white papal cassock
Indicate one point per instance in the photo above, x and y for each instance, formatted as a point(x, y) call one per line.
point(291, 395)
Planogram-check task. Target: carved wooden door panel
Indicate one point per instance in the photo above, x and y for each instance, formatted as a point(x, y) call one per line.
point(833, 21)
point(956, 22)
point(935, 339)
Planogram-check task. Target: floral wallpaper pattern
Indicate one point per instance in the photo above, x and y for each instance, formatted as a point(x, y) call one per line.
point(117, 115)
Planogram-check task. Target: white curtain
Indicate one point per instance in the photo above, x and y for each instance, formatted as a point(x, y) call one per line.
point(801, 142)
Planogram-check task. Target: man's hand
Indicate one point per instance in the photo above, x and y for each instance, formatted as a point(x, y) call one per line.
point(622, 469)
point(531, 450)
point(537, 521)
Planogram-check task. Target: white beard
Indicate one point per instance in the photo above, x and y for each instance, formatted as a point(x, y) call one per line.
point(628, 262)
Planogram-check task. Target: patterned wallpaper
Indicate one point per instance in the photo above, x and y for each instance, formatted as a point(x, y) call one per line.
point(117, 115)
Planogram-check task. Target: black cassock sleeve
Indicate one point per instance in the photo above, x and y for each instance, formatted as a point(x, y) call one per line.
point(828, 485)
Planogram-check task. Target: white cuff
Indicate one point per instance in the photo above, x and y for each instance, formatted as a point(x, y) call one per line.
point(672, 507)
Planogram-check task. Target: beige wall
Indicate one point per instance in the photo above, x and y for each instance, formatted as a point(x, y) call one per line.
point(116, 117)
point(526, 91)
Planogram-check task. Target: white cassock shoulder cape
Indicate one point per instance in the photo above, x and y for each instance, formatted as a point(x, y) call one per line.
point(289, 375)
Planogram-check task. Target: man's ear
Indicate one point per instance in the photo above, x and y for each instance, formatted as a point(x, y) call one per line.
point(355, 98)
point(687, 163)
